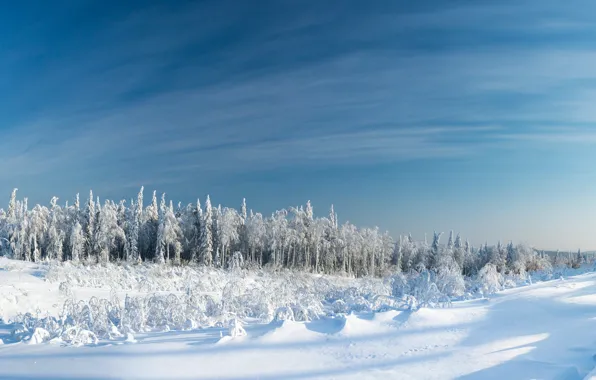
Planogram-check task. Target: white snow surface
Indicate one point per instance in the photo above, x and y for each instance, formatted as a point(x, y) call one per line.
point(541, 331)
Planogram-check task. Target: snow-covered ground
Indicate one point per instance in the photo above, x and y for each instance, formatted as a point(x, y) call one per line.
point(541, 331)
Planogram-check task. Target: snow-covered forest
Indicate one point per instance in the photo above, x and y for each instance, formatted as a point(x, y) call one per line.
point(84, 274)
point(161, 231)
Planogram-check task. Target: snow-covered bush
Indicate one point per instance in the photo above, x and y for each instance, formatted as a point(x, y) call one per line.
point(537, 263)
point(164, 297)
point(39, 335)
point(399, 285)
point(424, 289)
point(65, 289)
point(427, 288)
point(236, 329)
point(284, 313)
point(146, 277)
point(450, 282)
point(489, 280)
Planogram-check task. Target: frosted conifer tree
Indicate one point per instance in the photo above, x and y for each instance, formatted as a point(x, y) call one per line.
point(309, 211)
point(160, 246)
point(77, 242)
point(387, 245)
point(193, 231)
point(216, 234)
point(77, 206)
point(458, 252)
point(295, 239)
point(229, 225)
point(333, 218)
point(206, 251)
point(173, 234)
point(242, 238)
point(135, 228)
point(55, 238)
point(12, 207)
point(149, 230)
point(435, 251)
point(38, 225)
point(90, 226)
point(398, 254)
point(109, 233)
point(169, 234)
point(256, 236)
point(243, 211)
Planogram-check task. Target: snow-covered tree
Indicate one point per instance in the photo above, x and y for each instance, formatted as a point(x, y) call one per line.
point(231, 222)
point(450, 243)
point(459, 252)
point(292, 238)
point(90, 226)
point(206, 251)
point(436, 251)
point(169, 234)
point(55, 236)
point(134, 228)
point(192, 224)
point(149, 223)
point(160, 246)
point(12, 207)
point(256, 230)
point(109, 233)
point(77, 242)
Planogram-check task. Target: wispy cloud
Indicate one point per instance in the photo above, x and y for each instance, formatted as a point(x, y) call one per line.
point(566, 137)
point(205, 88)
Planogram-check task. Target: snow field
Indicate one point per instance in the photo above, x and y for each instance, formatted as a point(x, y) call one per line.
point(540, 331)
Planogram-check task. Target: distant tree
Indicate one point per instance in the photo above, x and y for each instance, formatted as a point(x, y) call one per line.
point(12, 207)
point(229, 224)
point(169, 235)
point(206, 251)
point(459, 253)
point(256, 231)
point(451, 242)
point(135, 224)
point(436, 251)
point(55, 235)
point(109, 233)
point(226, 237)
point(90, 226)
point(77, 242)
point(160, 245)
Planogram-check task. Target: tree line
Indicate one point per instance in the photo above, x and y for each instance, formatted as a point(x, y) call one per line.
point(96, 232)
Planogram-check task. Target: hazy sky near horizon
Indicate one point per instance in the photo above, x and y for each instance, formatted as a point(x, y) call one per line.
point(476, 116)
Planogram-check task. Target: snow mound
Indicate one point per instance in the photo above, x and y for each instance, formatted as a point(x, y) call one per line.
point(354, 326)
point(290, 331)
point(389, 316)
point(235, 332)
point(423, 318)
point(39, 336)
point(236, 329)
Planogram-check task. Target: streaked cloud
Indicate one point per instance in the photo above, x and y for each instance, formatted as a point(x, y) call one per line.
point(188, 90)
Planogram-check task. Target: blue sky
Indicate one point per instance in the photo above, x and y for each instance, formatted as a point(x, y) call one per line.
point(476, 116)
